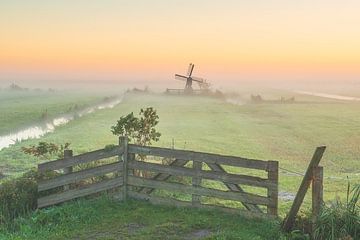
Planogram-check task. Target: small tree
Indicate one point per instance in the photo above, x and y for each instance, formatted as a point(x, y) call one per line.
point(140, 130)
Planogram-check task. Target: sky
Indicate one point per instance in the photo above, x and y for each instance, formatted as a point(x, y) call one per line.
point(227, 40)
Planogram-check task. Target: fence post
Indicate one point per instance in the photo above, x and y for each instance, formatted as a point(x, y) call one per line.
point(273, 176)
point(123, 141)
point(196, 181)
point(67, 154)
point(317, 192)
point(299, 198)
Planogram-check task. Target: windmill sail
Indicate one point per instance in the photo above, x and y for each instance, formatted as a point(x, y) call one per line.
point(197, 79)
point(190, 69)
point(180, 77)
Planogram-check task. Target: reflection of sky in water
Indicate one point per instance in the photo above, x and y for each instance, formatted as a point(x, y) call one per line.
point(333, 96)
point(41, 129)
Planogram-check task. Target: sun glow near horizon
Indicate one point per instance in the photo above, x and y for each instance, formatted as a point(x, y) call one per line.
point(274, 39)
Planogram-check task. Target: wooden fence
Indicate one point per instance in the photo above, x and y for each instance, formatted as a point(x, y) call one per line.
point(123, 171)
point(314, 177)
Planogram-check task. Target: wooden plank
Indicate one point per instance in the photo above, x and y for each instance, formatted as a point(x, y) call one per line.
point(164, 176)
point(196, 182)
point(290, 219)
point(317, 192)
point(79, 159)
point(67, 155)
point(80, 175)
point(123, 141)
point(177, 187)
point(76, 193)
point(217, 174)
point(199, 156)
point(131, 158)
point(273, 175)
point(156, 200)
point(233, 185)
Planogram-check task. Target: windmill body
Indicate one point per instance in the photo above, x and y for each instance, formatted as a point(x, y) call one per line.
point(189, 79)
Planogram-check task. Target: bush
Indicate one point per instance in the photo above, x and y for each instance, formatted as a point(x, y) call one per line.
point(142, 130)
point(18, 197)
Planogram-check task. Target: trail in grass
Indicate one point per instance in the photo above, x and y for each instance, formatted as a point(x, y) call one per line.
point(40, 129)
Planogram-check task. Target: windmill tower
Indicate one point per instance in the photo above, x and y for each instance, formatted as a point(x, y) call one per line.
point(189, 79)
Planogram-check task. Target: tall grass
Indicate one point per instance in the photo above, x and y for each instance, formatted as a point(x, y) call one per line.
point(340, 220)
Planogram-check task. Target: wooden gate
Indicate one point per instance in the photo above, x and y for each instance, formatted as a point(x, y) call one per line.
point(167, 173)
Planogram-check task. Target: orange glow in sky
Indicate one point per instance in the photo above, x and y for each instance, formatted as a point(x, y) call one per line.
point(227, 39)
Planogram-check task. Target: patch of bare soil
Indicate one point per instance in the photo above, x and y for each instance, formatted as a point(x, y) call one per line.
point(198, 234)
point(124, 232)
point(132, 231)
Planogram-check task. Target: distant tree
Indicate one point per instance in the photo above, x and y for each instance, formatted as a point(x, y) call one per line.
point(15, 87)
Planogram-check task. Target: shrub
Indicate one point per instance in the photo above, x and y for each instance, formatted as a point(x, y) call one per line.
point(45, 150)
point(141, 130)
point(18, 197)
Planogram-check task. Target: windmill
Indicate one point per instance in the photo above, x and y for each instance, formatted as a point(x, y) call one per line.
point(189, 79)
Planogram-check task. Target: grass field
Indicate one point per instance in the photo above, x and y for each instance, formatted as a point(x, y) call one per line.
point(288, 133)
point(21, 108)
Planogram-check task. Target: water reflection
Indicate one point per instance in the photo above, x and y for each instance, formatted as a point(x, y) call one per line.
point(48, 126)
point(332, 96)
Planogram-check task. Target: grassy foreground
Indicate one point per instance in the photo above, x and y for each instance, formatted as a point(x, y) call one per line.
point(104, 218)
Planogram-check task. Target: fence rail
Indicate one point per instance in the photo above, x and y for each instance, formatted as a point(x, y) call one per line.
point(200, 157)
point(78, 176)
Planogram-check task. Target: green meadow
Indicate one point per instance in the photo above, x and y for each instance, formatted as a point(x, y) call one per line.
point(271, 130)
point(22, 108)
point(288, 133)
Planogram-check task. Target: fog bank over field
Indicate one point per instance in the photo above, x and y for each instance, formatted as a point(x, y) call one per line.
point(347, 88)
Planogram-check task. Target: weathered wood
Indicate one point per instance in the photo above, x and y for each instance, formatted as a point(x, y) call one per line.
point(199, 156)
point(216, 174)
point(164, 176)
point(67, 155)
point(79, 159)
point(317, 192)
point(156, 200)
point(233, 186)
point(123, 141)
point(131, 158)
point(273, 175)
point(76, 193)
point(126, 153)
point(80, 175)
point(196, 182)
point(290, 219)
point(236, 196)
